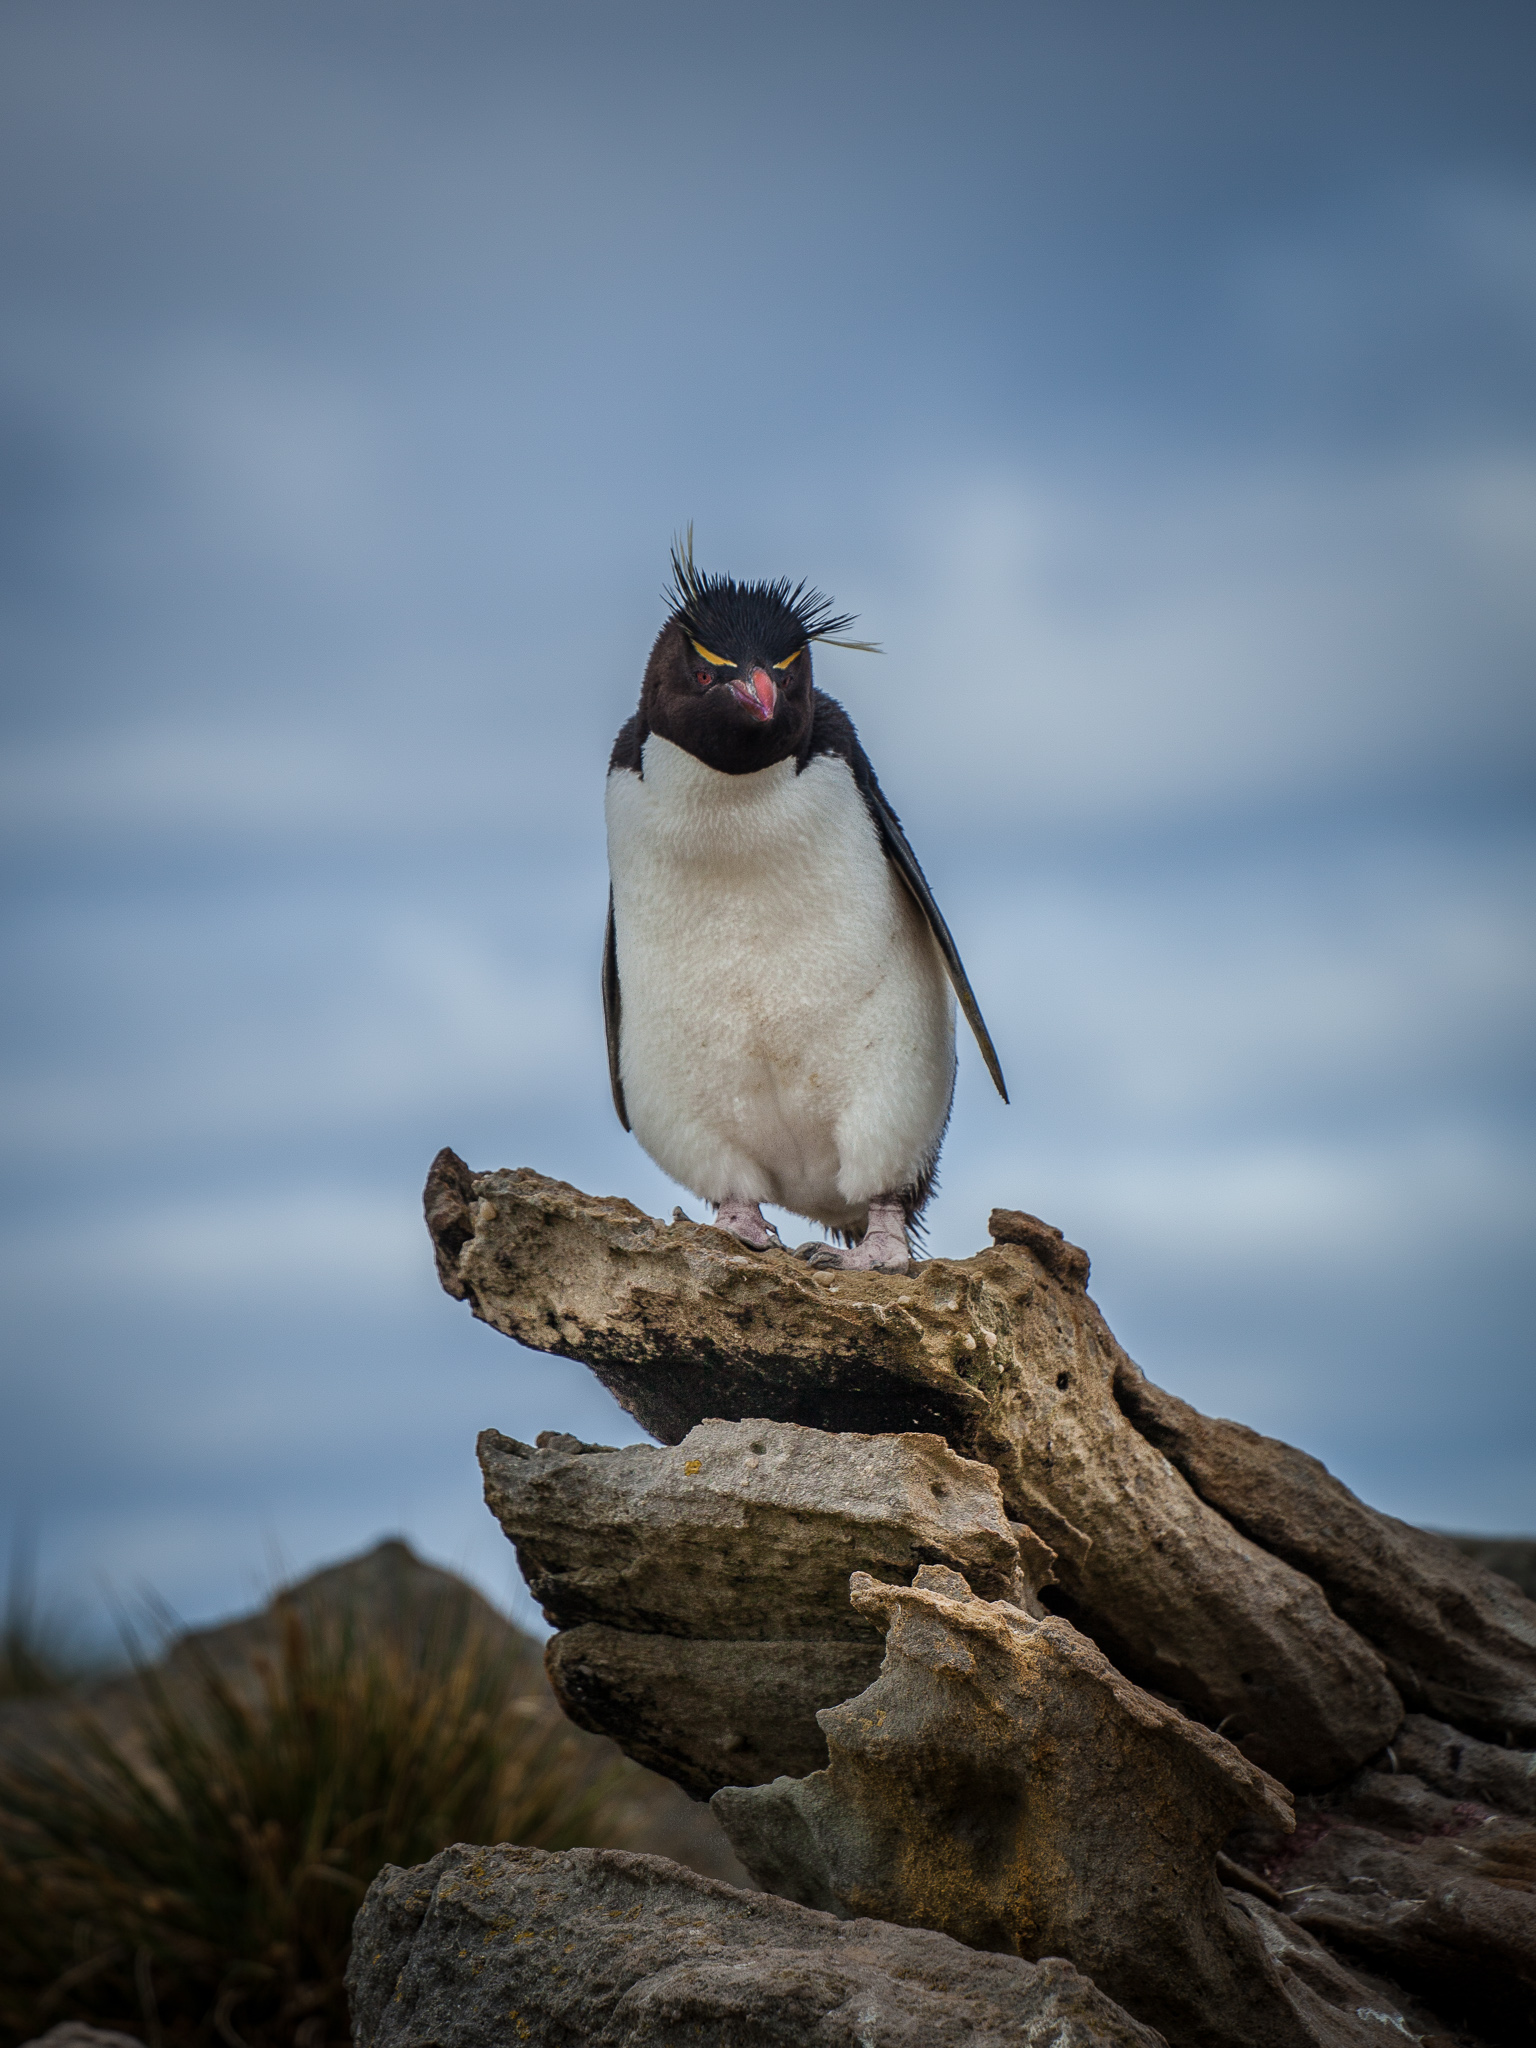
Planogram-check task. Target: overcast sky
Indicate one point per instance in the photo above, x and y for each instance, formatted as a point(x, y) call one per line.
point(1156, 383)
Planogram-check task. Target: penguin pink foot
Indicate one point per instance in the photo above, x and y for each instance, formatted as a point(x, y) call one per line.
point(882, 1249)
point(745, 1220)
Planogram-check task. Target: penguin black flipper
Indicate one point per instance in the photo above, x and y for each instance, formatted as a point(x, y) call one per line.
point(612, 1010)
point(626, 754)
point(832, 732)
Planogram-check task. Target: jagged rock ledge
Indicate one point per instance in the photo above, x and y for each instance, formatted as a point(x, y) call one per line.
point(1000, 1781)
point(997, 1779)
point(1228, 1573)
point(701, 1592)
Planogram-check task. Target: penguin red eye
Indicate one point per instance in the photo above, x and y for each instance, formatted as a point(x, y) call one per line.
point(699, 676)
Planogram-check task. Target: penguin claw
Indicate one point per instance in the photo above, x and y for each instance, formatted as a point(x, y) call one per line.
point(875, 1254)
point(818, 1254)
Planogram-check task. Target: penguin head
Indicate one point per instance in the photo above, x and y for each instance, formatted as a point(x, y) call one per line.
point(729, 678)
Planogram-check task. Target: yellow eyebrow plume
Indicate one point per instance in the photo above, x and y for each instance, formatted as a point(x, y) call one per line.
point(717, 660)
point(789, 658)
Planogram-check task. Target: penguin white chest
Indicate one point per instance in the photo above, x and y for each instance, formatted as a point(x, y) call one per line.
point(787, 1028)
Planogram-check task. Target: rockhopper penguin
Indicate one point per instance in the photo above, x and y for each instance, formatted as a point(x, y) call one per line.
point(777, 977)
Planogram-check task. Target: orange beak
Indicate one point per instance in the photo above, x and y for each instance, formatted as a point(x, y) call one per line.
point(759, 693)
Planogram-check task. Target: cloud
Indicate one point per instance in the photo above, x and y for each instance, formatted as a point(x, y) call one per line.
point(1364, 974)
point(1095, 654)
point(222, 1246)
point(222, 782)
point(1104, 653)
point(301, 1012)
point(1348, 1206)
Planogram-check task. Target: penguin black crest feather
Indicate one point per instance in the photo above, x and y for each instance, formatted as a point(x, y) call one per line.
point(769, 620)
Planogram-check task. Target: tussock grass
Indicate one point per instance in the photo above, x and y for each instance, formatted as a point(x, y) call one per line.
point(196, 1882)
point(39, 1654)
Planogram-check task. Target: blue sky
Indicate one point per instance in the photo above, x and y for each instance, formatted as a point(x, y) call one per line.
point(1157, 386)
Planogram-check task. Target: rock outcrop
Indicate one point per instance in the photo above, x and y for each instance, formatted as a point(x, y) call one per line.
point(747, 1528)
point(710, 1713)
point(1114, 1633)
point(1004, 1356)
point(1435, 1888)
point(1002, 1782)
point(703, 1590)
point(1458, 1640)
point(481, 1948)
point(1457, 1920)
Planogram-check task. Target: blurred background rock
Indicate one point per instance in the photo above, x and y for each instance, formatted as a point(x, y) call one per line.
point(184, 1842)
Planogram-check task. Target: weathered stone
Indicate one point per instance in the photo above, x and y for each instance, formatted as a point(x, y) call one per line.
point(1465, 1768)
point(707, 1714)
point(1438, 1892)
point(1511, 1557)
point(1458, 1640)
point(1324, 1992)
point(1446, 1914)
point(1001, 1356)
point(1065, 1262)
point(747, 1529)
point(482, 1948)
point(1406, 1805)
point(1002, 1782)
point(709, 1582)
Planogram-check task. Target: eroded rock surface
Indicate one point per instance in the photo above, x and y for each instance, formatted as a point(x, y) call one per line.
point(1006, 1358)
point(1001, 1781)
point(1457, 1764)
point(481, 1948)
point(748, 1528)
point(1436, 1891)
point(1232, 1574)
point(1333, 1999)
point(1458, 1639)
point(708, 1583)
point(710, 1713)
point(1438, 1914)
